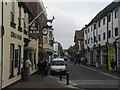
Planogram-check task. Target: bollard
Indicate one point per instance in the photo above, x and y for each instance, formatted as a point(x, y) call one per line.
point(67, 78)
point(60, 75)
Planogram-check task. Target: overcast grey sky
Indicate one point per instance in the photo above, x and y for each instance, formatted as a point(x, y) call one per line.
point(71, 15)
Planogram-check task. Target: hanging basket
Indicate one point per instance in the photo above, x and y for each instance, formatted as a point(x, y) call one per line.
point(29, 48)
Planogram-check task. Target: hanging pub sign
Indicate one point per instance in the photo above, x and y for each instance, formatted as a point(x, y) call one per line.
point(44, 31)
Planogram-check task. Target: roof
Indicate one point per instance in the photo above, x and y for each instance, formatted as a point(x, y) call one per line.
point(112, 6)
point(58, 59)
point(79, 35)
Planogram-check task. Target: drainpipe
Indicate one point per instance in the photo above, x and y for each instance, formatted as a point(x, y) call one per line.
point(115, 43)
point(1, 42)
point(107, 44)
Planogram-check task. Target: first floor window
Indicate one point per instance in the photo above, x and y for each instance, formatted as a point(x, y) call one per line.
point(109, 34)
point(116, 31)
point(103, 36)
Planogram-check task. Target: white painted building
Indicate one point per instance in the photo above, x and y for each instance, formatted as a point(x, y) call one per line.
point(102, 37)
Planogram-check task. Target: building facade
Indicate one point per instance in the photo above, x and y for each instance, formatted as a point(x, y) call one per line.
point(102, 36)
point(0, 44)
point(17, 44)
point(79, 44)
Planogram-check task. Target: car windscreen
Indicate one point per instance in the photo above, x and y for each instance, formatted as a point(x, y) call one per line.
point(58, 63)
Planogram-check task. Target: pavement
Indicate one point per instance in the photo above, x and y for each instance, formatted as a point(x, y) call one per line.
point(38, 83)
point(49, 82)
point(107, 72)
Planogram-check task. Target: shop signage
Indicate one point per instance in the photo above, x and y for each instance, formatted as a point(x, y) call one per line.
point(118, 57)
point(44, 31)
point(16, 36)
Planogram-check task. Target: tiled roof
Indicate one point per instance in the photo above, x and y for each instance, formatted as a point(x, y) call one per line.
point(79, 34)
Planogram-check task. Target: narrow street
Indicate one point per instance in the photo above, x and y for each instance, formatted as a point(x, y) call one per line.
point(87, 78)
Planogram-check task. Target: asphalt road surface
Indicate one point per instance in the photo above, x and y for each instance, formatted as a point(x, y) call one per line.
point(85, 78)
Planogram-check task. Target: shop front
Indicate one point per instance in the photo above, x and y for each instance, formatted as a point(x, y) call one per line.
point(111, 55)
point(104, 57)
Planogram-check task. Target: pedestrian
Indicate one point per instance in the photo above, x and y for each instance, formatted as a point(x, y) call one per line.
point(112, 63)
point(42, 68)
point(39, 67)
point(27, 68)
point(45, 67)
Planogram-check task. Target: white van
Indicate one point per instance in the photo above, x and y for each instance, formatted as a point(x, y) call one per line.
point(58, 65)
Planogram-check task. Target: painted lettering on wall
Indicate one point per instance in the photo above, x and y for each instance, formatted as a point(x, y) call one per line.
point(16, 36)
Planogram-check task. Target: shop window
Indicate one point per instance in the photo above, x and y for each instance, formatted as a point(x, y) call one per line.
point(12, 48)
point(116, 31)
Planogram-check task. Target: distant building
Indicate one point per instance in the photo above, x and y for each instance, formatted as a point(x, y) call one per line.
point(79, 43)
point(58, 50)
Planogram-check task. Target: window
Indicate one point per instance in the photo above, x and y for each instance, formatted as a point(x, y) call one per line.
point(45, 39)
point(19, 59)
point(12, 47)
point(116, 31)
point(16, 58)
point(88, 30)
point(91, 28)
point(91, 40)
point(25, 20)
point(85, 31)
point(99, 23)
point(94, 39)
point(12, 12)
point(86, 42)
point(116, 13)
point(104, 21)
point(99, 37)
point(19, 19)
point(94, 26)
point(109, 18)
point(104, 36)
point(109, 34)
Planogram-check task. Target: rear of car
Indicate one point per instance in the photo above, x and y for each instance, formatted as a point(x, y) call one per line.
point(58, 66)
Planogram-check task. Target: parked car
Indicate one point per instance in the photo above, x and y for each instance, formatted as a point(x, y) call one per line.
point(58, 66)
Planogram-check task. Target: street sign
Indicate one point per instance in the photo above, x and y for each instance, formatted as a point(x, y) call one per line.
point(44, 31)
